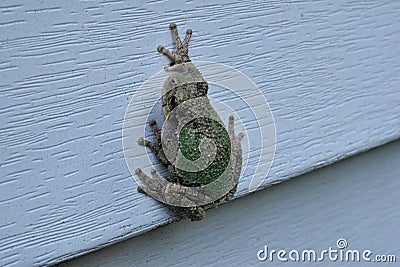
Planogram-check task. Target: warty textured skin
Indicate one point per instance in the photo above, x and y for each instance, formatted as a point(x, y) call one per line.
point(194, 132)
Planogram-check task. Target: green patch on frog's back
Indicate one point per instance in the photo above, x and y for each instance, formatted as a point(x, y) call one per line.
point(190, 137)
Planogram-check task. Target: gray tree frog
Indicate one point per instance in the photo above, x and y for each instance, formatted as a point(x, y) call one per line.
point(193, 144)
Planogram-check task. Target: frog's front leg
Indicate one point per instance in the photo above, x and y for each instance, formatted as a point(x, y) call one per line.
point(155, 146)
point(236, 161)
point(235, 164)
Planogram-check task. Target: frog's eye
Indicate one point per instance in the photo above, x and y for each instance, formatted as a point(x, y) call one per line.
point(172, 102)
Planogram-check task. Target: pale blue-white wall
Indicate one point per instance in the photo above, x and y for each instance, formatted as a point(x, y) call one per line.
point(68, 69)
point(356, 199)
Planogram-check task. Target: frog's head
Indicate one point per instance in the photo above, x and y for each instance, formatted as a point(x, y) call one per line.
point(185, 83)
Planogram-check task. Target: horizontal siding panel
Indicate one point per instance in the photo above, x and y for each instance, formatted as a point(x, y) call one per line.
point(329, 70)
point(347, 200)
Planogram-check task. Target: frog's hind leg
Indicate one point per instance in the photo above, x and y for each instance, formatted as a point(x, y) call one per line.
point(157, 186)
point(153, 185)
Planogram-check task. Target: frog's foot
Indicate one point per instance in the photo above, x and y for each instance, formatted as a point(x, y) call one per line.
point(151, 186)
point(157, 136)
point(180, 54)
point(193, 213)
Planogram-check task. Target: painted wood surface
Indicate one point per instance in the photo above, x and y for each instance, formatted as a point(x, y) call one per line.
point(68, 69)
point(356, 199)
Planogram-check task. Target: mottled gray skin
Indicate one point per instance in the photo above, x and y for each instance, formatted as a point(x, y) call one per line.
point(185, 84)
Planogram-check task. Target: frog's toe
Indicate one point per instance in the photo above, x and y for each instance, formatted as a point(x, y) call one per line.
point(154, 174)
point(231, 126)
point(193, 213)
point(141, 190)
point(141, 175)
point(160, 48)
point(198, 214)
point(138, 171)
point(240, 136)
point(172, 25)
point(141, 141)
point(144, 142)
